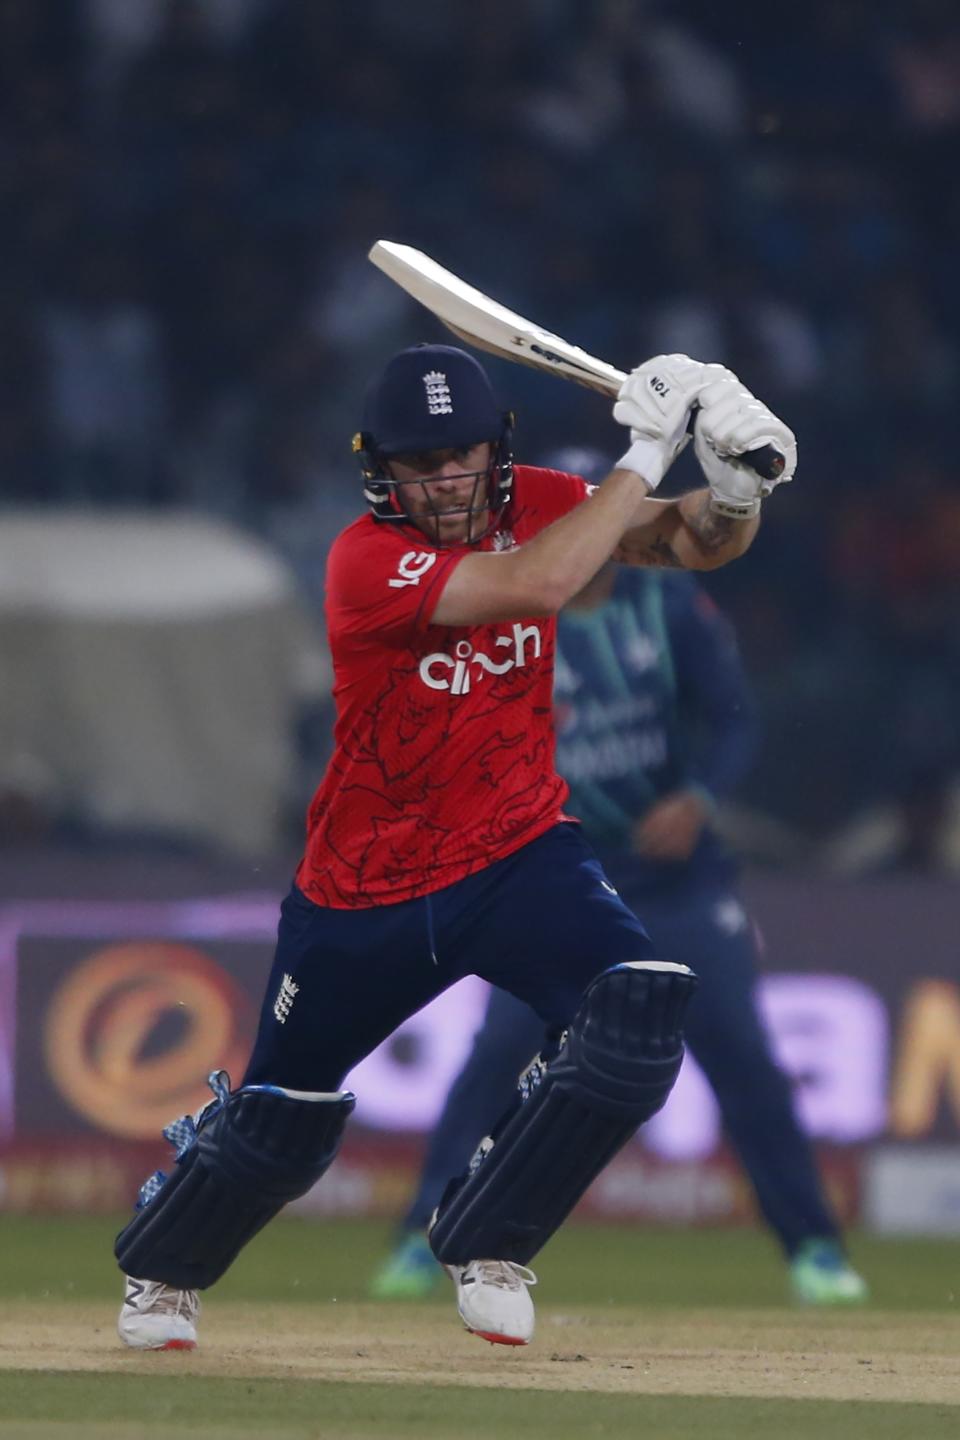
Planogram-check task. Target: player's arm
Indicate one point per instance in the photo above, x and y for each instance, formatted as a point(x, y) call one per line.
point(542, 575)
point(685, 534)
point(705, 528)
point(698, 533)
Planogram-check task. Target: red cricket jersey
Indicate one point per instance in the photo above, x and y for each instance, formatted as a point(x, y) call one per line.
point(444, 735)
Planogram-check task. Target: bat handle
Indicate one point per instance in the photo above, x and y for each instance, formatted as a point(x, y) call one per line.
point(766, 461)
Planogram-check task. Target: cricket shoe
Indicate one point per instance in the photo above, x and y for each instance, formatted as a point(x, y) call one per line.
point(157, 1317)
point(410, 1272)
point(820, 1274)
point(494, 1300)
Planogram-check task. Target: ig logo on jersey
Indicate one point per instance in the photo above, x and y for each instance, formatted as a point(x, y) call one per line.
point(412, 568)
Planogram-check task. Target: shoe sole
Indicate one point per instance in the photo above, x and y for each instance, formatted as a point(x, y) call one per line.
point(497, 1339)
point(166, 1345)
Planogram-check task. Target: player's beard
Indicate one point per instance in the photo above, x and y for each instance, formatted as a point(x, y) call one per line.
point(448, 522)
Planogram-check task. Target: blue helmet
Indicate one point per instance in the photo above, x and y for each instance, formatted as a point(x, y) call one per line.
point(432, 397)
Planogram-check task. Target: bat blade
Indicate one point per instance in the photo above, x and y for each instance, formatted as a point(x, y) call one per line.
point(485, 323)
point(490, 326)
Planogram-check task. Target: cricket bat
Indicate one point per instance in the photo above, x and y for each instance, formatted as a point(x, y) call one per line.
point(490, 326)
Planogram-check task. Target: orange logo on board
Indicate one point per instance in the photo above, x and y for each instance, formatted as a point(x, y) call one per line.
point(132, 1032)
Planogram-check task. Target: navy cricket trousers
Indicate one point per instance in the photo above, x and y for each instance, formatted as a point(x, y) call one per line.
point(540, 924)
point(700, 924)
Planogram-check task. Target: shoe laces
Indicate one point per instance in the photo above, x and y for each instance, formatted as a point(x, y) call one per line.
point(504, 1274)
point(164, 1299)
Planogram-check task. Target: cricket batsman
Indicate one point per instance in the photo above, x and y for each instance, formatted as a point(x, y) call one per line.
point(437, 845)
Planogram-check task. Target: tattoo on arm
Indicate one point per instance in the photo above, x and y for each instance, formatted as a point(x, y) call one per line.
point(656, 552)
point(690, 535)
point(711, 530)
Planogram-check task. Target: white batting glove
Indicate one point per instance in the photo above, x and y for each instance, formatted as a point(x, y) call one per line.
point(655, 402)
point(732, 421)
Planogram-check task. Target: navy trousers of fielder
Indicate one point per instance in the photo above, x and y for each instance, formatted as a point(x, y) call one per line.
point(544, 924)
point(698, 921)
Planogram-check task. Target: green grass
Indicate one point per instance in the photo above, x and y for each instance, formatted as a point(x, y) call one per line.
point(298, 1408)
point(622, 1272)
point(303, 1260)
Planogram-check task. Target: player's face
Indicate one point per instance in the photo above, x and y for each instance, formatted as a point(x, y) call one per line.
point(446, 492)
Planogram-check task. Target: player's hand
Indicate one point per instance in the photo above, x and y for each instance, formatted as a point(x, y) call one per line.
point(730, 422)
point(671, 828)
point(655, 402)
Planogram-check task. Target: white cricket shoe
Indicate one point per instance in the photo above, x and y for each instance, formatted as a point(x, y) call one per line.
point(157, 1317)
point(494, 1301)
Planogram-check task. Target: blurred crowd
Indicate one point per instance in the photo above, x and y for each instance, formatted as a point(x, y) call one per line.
point(188, 318)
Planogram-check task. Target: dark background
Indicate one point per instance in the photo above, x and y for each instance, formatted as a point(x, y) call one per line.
point(187, 316)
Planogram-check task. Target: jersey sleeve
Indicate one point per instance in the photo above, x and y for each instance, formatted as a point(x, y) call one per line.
point(384, 585)
point(545, 495)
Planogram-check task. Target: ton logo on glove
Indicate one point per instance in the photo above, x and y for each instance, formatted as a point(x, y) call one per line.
point(728, 423)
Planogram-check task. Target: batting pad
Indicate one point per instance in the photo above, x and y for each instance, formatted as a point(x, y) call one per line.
point(615, 1069)
point(248, 1156)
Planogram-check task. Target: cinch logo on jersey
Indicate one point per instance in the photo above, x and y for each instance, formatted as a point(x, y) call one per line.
point(438, 393)
point(458, 671)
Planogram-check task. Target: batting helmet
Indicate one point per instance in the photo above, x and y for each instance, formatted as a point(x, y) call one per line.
point(432, 397)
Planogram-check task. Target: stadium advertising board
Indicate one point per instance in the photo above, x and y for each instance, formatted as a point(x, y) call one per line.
point(113, 1012)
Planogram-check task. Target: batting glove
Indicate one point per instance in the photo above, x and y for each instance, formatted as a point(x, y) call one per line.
point(655, 402)
point(731, 421)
